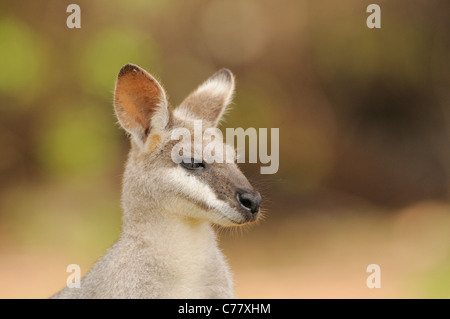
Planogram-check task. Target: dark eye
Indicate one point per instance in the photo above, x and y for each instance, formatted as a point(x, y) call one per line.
point(189, 164)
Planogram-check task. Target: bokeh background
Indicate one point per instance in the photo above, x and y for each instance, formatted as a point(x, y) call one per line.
point(364, 118)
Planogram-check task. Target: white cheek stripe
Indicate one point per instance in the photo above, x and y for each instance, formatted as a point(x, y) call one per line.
point(193, 188)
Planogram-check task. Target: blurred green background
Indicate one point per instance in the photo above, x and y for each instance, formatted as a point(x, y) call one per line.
point(364, 118)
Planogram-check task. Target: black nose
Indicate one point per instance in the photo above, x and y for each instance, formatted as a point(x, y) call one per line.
point(249, 200)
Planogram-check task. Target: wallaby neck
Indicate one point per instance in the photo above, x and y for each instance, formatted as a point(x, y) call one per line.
point(182, 251)
point(156, 227)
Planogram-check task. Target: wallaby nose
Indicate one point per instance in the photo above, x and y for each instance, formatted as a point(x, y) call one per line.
point(249, 200)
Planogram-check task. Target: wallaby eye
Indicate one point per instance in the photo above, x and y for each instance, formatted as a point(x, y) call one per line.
point(191, 165)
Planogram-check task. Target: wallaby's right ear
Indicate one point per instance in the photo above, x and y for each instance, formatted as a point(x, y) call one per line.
point(140, 103)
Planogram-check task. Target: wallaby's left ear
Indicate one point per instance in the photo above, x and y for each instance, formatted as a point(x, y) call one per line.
point(140, 103)
point(210, 100)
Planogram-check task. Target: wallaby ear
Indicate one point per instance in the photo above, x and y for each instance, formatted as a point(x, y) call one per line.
point(140, 102)
point(209, 101)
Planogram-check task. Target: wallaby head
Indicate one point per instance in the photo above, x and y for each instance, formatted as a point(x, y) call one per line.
point(158, 180)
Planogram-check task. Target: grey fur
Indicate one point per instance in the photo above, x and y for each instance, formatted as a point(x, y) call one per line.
point(167, 247)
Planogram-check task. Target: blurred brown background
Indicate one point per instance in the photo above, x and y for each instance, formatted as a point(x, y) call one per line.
point(364, 118)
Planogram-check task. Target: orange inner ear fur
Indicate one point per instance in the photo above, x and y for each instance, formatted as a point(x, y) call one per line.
point(136, 97)
point(154, 141)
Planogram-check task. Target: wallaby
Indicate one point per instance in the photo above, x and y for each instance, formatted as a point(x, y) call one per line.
point(168, 247)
